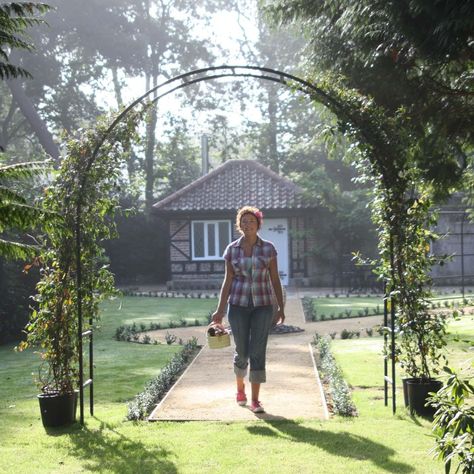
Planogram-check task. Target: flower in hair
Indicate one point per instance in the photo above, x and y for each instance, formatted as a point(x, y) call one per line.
point(258, 215)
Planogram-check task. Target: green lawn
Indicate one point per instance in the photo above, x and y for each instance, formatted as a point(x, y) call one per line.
point(145, 310)
point(335, 306)
point(375, 442)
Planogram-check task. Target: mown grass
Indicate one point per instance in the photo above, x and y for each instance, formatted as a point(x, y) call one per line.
point(375, 442)
point(338, 307)
point(129, 310)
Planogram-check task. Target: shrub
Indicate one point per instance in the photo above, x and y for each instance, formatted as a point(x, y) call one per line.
point(316, 339)
point(333, 335)
point(119, 333)
point(170, 338)
point(308, 309)
point(146, 339)
point(453, 423)
point(142, 405)
point(183, 322)
point(370, 332)
point(346, 334)
point(339, 390)
point(348, 313)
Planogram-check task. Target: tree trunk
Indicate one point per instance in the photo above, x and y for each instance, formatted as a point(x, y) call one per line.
point(117, 88)
point(150, 158)
point(37, 124)
point(272, 131)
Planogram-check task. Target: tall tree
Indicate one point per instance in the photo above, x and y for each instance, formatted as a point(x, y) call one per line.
point(414, 55)
point(15, 18)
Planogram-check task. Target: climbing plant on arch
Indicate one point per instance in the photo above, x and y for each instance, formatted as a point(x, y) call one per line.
point(74, 275)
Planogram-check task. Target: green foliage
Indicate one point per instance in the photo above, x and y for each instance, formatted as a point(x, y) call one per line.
point(170, 338)
point(142, 405)
point(412, 131)
point(177, 165)
point(453, 424)
point(331, 372)
point(416, 55)
point(15, 18)
point(82, 197)
point(15, 212)
point(308, 309)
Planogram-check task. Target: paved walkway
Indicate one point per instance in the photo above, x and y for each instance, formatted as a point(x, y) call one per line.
point(206, 390)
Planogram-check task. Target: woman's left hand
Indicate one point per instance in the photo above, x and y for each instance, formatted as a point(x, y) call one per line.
point(279, 317)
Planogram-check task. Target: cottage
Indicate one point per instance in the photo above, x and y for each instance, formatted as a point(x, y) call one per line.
point(201, 217)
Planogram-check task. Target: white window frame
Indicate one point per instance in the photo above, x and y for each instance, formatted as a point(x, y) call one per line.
point(216, 237)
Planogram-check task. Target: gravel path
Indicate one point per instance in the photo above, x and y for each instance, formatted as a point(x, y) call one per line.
point(206, 390)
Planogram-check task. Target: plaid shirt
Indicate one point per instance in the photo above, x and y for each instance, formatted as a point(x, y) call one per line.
point(256, 283)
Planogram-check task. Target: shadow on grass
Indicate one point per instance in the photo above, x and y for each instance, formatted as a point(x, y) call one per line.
point(342, 444)
point(105, 449)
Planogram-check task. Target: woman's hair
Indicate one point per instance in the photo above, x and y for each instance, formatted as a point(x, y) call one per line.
point(248, 210)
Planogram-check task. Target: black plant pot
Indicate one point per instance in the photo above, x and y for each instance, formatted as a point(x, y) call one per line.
point(58, 409)
point(418, 392)
point(405, 388)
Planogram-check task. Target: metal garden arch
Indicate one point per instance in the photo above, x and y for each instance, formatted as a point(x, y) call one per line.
point(163, 89)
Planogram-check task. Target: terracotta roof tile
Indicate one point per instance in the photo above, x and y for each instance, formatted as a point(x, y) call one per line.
point(232, 185)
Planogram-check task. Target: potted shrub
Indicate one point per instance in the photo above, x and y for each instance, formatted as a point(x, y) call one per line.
point(53, 329)
point(420, 353)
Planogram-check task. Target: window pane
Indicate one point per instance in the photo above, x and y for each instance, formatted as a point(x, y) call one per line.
point(211, 239)
point(224, 237)
point(198, 239)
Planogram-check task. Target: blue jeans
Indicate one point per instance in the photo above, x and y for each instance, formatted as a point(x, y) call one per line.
point(250, 327)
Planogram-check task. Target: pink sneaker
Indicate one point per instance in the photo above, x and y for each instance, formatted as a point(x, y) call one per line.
point(257, 407)
point(241, 398)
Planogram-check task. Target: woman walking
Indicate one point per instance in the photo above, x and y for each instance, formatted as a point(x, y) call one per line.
point(251, 279)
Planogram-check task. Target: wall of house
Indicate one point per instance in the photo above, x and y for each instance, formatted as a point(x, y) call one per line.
point(188, 274)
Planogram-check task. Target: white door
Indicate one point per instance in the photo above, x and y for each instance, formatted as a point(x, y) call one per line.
point(276, 231)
